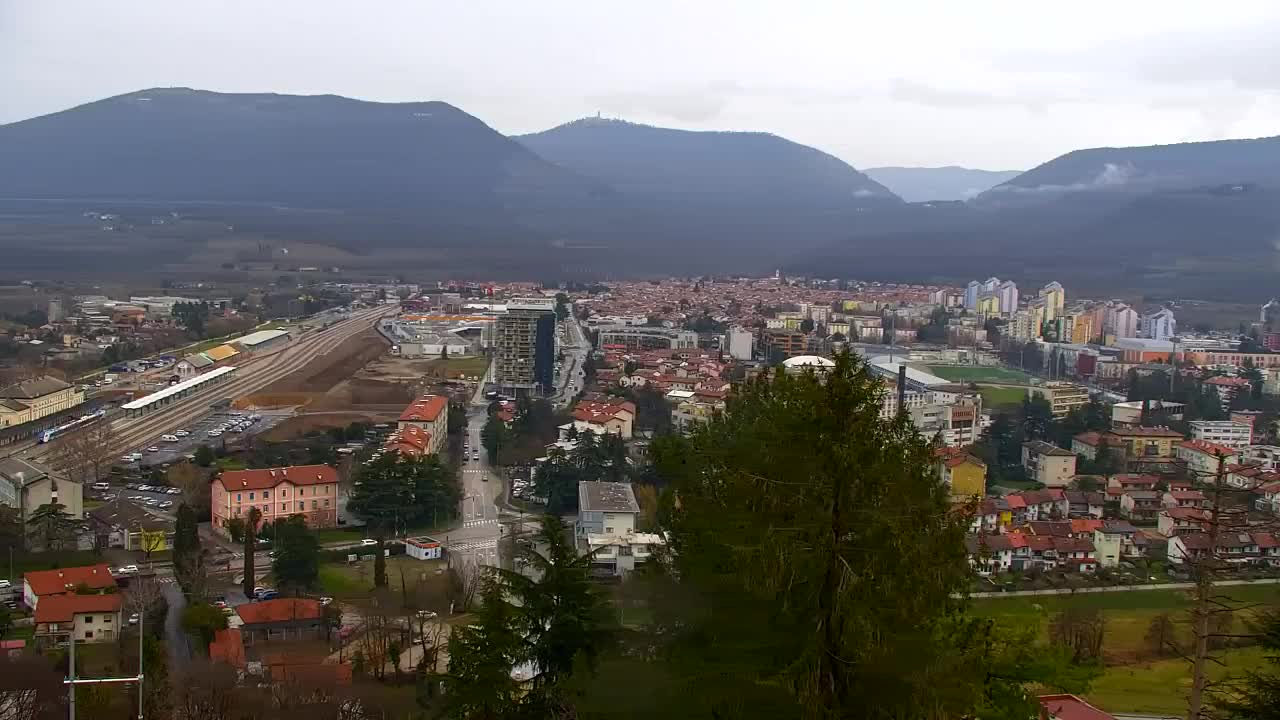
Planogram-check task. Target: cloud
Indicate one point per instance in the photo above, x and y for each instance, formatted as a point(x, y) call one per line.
point(912, 91)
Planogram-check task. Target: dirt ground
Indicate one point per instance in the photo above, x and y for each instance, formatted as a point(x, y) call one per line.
point(321, 375)
point(296, 427)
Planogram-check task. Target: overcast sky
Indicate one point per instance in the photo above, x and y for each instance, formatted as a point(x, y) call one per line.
point(997, 85)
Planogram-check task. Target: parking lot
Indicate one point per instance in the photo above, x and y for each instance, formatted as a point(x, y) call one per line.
point(197, 434)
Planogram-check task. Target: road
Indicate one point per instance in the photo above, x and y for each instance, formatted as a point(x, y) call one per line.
point(476, 540)
point(575, 346)
point(252, 376)
point(174, 637)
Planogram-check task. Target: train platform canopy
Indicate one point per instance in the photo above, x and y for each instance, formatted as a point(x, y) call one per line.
point(179, 389)
point(261, 337)
point(220, 353)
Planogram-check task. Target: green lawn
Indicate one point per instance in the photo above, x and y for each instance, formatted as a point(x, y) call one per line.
point(997, 396)
point(973, 373)
point(451, 367)
point(1127, 614)
point(1161, 687)
point(26, 561)
point(355, 580)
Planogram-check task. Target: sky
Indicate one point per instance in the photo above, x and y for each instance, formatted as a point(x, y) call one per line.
point(993, 85)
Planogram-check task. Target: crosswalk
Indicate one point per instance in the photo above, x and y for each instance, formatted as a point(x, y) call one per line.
point(473, 545)
point(478, 523)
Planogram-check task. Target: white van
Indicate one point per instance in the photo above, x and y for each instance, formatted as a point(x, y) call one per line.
point(169, 438)
point(100, 486)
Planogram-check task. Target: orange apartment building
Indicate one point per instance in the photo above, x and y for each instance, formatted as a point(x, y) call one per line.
point(278, 493)
point(429, 413)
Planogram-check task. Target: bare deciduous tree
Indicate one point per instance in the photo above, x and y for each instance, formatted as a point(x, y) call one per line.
point(86, 455)
point(1081, 631)
point(30, 689)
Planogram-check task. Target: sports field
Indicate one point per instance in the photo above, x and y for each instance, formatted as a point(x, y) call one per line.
point(973, 373)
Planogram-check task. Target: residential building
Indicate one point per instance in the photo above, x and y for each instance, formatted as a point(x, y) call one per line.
point(971, 292)
point(1252, 418)
point(1085, 504)
point(1234, 548)
point(1121, 320)
point(615, 555)
point(280, 620)
point(430, 414)
point(33, 399)
point(526, 345)
point(741, 343)
point(1130, 414)
point(1181, 520)
point(1083, 329)
point(124, 524)
point(605, 417)
point(1226, 388)
point(87, 618)
point(1007, 293)
point(1048, 464)
point(1055, 298)
point(278, 493)
point(1159, 325)
point(962, 473)
point(1204, 459)
point(1088, 445)
point(1023, 551)
point(1227, 433)
point(1140, 505)
point(1063, 397)
point(606, 508)
point(646, 338)
point(26, 485)
point(784, 343)
point(1184, 499)
point(410, 441)
point(40, 585)
point(1145, 442)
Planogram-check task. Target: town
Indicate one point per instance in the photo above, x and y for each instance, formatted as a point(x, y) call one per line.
point(320, 495)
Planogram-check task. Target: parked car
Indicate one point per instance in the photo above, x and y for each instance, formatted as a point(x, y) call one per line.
point(368, 542)
point(183, 433)
point(269, 595)
point(100, 486)
point(326, 600)
point(169, 438)
point(133, 619)
point(153, 449)
point(128, 569)
point(258, 590)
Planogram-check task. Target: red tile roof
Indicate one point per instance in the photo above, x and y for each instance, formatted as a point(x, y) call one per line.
point(279, 610)
point(265, 478)
point(599, 412)
point(1227, 381)
point(425, 409)
point(1085, 525)
point(409, 440)
point(63, 608)
point(54, 582)
point(1145, 432)
point(1208, 448)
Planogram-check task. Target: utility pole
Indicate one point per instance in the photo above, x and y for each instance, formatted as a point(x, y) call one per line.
point(72, 681)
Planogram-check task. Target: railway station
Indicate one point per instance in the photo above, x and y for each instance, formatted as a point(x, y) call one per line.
point(174, 393)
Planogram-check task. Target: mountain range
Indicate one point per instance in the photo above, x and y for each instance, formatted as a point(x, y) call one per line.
point(426, 186)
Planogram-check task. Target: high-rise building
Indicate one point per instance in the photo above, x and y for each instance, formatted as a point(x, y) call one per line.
point(1158, 325)
point(526, 345)
point(55, 310)
point(1054, 298)
point(741, 343)
point(1008, 294)
point(971, 295)
point(988, 305)
point(1122, 320)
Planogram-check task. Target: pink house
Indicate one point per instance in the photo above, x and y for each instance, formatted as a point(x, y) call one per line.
point(278, 493)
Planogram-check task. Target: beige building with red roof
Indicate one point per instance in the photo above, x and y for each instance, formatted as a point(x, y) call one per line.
point(605, 417)
point(278, 493)
point(429, 413)
point(90, 618)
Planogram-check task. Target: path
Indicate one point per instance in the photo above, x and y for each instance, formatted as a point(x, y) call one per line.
point(1120, 588)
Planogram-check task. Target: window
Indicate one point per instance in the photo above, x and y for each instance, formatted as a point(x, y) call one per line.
point(284, 492)
point(88, 619)
point(266, 494)
point(106, 619)
point(301, 506)
point(250, 496)
point(625, 551)
point(326, 502)
point(237, 497)
point(609, 530)
point(88, 634)
point(284, 507)
point(313, 504)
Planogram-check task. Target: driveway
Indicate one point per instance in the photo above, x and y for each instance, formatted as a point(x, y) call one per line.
point(174, 637)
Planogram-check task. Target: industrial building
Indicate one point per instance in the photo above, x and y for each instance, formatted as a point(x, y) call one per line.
point(525, 345)
point(263, 340)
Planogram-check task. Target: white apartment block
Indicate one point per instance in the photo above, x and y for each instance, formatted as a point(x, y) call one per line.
point(1222, 432)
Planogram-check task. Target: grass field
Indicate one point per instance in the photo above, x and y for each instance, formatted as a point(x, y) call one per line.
point(998, 396)
point(972, 373)
point(355, 580)
point(454, 367)
point(1127, 614)
point(1161, 687)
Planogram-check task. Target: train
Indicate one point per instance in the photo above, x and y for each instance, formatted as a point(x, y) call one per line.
point(56, 432)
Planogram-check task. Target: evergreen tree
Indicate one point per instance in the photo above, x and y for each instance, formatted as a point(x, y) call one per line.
point(297, 561)
point(800, 511)
point(1256, 696)
point(51, 526)
point(250, 547)
point(187, 560)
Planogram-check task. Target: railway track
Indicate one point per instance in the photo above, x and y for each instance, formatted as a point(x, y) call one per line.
point(251, 377)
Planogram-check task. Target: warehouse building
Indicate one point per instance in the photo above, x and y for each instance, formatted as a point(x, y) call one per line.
point(263, 340)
